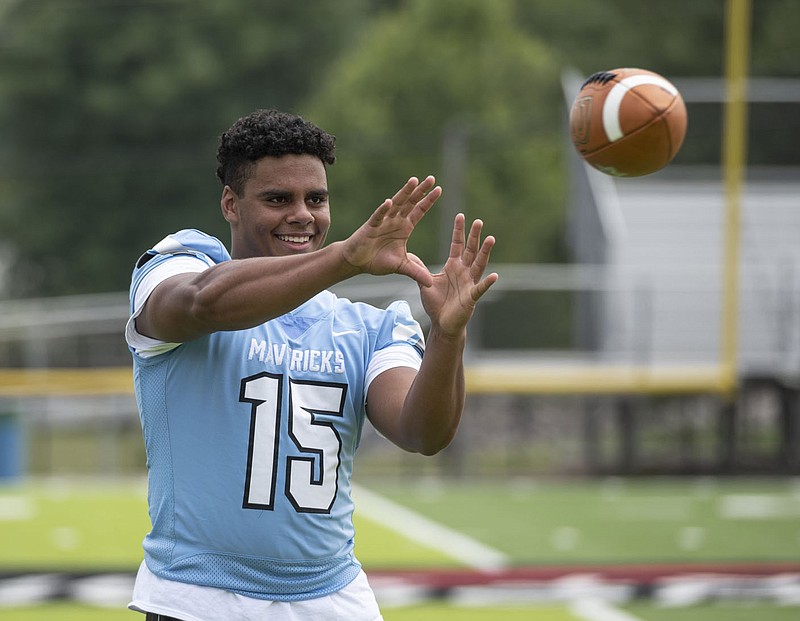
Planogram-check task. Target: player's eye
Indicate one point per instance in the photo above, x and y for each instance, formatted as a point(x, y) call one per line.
point(276, 199)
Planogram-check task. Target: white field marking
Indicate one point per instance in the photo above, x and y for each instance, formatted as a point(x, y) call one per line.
point(617, 93)
point(29, 589)
point(758, 507)
point(65, 538)
point(427, 532)
point(108, 590)
point(599, 610)
point(16, 509)
point(691, 538)
point(565, 538)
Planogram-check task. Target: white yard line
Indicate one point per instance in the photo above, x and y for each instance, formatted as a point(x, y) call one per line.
point(427, 532)
point(599, 610)
point(16, 509)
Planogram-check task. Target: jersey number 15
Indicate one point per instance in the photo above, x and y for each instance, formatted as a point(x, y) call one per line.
point(311, 478)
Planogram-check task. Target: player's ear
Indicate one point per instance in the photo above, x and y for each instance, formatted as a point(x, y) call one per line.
point(229, 204)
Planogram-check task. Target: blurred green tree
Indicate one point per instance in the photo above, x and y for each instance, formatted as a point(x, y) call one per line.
point(110, 111)
point(453, 88)
point(667, 36)
point(673, 37)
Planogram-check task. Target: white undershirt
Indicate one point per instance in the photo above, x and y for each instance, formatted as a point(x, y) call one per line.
point(144, 346)
point(189, 602)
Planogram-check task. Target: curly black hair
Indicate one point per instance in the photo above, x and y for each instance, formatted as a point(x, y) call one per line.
point(268, 133)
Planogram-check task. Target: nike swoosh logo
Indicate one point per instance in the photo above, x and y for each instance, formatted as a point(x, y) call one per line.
point(343, 332)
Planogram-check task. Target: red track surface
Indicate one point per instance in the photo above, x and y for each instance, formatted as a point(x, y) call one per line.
point(640, 574)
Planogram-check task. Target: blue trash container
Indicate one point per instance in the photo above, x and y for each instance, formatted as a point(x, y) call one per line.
point(11, 446)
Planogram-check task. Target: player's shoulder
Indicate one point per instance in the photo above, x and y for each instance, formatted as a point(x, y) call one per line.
point(187, 241)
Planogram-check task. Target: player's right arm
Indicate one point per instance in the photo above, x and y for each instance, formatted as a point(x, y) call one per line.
point(243, 293)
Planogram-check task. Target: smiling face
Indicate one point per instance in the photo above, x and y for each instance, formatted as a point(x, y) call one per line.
point(282, 209)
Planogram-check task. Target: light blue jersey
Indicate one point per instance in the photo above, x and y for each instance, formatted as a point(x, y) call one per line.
point(250, 439)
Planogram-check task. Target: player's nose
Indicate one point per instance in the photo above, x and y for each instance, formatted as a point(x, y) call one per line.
point(299, 213)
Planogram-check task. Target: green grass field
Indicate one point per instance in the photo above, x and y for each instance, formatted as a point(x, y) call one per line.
point(619, 520)
point(84, 526)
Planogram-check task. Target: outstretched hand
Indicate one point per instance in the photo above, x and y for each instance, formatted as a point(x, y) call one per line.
point(451, 299)
point(379, 245)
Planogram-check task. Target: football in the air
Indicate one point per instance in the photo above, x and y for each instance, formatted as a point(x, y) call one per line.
point(627, 122)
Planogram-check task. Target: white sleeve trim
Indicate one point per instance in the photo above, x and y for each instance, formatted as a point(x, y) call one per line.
point(397, 355)
point(145, 346)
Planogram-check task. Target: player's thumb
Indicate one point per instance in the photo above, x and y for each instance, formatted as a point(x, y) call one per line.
point(416, 269)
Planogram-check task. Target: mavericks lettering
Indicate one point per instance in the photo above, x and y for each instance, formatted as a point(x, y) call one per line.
point(314, 360)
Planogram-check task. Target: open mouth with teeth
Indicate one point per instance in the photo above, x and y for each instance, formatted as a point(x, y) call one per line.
point(295, 239)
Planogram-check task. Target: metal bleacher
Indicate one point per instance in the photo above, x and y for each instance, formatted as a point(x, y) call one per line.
point(667, 248)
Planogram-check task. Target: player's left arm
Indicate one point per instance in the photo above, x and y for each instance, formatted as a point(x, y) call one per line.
point(420, 410)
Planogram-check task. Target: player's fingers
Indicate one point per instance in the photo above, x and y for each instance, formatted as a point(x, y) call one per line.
point(424, 205)
point(458, 240)
point(417, 196)
point(478, 266)
point(416, 260)
point(473, 243)
point(422, 188)
point(404, 194)
point(483, 286)
point(380, 213)
point(414, 268)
